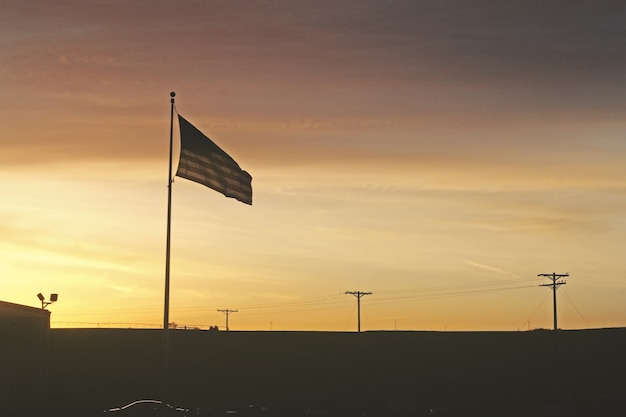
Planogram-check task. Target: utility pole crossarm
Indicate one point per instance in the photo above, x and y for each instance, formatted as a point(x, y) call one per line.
point(558, 284)
point(359, 293)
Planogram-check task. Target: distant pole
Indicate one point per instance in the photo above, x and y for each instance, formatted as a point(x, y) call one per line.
point(358, 295)
point(227, 312)
point(554, 277)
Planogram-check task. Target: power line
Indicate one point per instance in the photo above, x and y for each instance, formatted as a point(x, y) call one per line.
point(434, 295)
point(333, 301)
point(330, 302)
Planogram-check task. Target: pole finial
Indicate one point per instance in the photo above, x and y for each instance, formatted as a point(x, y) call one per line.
point(172, 94)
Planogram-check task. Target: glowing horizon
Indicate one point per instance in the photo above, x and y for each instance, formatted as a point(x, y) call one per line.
point(437, 155)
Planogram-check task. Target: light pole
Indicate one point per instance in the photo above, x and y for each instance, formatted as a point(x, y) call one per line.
point(44, 303)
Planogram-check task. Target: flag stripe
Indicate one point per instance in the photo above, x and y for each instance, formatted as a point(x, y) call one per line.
point(202, 161)
point(219, 178)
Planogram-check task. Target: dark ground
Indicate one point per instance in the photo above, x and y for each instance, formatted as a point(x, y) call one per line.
point(536, 373)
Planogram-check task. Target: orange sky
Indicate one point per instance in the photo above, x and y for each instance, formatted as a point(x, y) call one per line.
point(437, 154)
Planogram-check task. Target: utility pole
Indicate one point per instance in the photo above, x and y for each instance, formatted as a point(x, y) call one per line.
point(227, 312)
point(554, 277)
point(358, 295)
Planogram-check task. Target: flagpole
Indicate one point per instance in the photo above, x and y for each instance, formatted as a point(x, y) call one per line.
point(166, 307)
point(169, 220)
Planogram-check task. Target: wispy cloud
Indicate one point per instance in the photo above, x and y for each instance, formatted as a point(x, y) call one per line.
point(489, 268)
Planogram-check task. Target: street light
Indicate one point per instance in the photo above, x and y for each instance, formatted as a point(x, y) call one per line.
point(44, 303)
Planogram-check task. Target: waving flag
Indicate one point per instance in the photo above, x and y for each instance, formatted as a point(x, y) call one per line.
point(202, 161)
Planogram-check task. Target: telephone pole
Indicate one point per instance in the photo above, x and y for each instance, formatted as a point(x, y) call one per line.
point(227, 312)
point(358, 295)
point(554, 277)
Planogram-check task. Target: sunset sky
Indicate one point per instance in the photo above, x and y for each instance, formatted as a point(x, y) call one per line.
point(440, 154)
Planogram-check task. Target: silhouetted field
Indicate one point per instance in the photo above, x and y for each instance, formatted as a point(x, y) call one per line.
point(372, 373)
